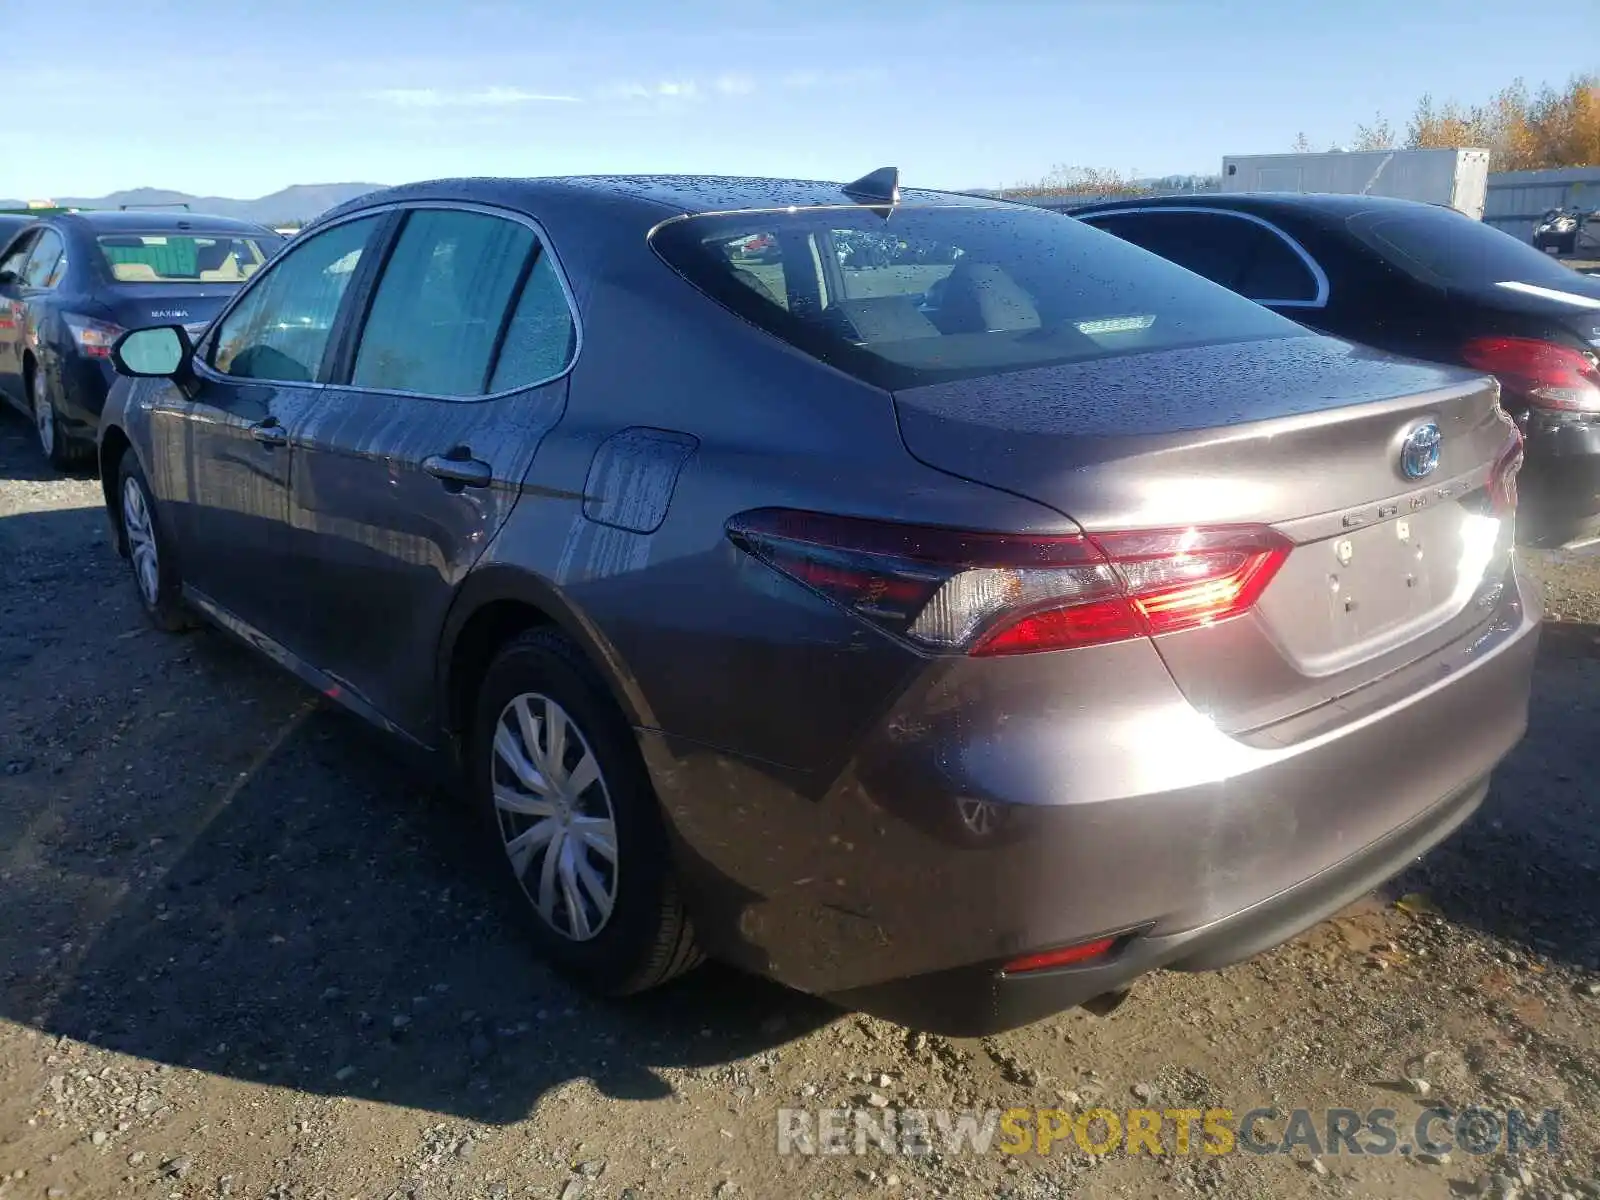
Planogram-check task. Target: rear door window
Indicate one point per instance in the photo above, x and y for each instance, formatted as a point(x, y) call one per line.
point(1227, 248)
point(17, 256)
point(938, 293)
point(442, 305)
point(281, 327)
point(46, 262)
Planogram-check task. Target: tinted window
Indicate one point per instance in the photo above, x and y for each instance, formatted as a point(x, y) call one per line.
point(280, 329)
point(184, 258)
point(10, 226)
point(935, 294)
point(442, 303)
point(17, 257)
point(46, 262)
point(1231, 250)
point(541, 337)
point(1447, 248)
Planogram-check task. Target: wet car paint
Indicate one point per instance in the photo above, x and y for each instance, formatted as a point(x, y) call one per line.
point(820, 778)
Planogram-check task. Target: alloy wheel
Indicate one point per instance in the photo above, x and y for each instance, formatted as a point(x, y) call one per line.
point(140, 530)
point(556, 821)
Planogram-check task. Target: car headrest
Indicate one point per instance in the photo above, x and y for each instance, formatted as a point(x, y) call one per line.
point(227, 271)
point(982, 298)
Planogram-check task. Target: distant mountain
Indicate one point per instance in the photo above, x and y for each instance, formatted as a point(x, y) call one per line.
point(290, 206)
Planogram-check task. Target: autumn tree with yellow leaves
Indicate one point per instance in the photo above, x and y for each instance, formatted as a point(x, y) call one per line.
point(1523, 130)
point(1078, 181)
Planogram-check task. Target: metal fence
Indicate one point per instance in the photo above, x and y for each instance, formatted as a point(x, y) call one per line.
point(1517, 199)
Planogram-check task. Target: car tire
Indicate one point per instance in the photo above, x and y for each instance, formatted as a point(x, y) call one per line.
point(63, 453)
point(550, 821)
point(149, 550)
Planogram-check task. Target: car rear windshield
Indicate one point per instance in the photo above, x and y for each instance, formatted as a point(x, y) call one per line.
point(931, 294)
point(184, 257)
point(1449, 249)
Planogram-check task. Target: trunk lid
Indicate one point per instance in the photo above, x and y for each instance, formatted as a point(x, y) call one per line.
point(1304, 434)
point(1570, 300)
point(137, 305)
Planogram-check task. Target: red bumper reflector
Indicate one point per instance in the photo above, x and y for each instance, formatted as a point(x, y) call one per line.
point(1064, 956)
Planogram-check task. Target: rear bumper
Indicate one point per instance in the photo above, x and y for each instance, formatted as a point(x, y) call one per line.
point(1005, 807)
point(975, 1001)
point(82, 387)
point(1559, 486)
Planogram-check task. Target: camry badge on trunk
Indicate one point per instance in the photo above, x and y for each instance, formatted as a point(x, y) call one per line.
point(1419, 453)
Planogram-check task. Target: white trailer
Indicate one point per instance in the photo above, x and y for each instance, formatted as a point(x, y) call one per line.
point(1458, 178)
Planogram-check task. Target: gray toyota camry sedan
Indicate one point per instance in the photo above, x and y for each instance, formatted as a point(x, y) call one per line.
point(932, 603)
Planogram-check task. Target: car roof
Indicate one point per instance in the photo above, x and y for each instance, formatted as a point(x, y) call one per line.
point(1329, 206)
point(726, 193)
point(662, 194)
point(147, 221)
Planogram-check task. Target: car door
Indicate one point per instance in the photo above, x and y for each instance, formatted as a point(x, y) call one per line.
point(404, 472)
point(1244, 253)
point(12, 316)
point(220, 444)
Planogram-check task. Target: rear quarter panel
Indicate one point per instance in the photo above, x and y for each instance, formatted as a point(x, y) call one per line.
point(721, 418)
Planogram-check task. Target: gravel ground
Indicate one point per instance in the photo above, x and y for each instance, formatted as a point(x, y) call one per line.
point(243, 954)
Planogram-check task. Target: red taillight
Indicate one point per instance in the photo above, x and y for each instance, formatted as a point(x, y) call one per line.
point(1063, 957)
point(997, 593)
point(1542, 373)
point(94, 338)
point(1503, 476)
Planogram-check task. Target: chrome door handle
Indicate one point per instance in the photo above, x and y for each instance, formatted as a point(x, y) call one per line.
point(270, 433)
point(466, 472)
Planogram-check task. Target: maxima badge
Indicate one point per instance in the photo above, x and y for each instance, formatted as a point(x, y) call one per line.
point(1419, 453)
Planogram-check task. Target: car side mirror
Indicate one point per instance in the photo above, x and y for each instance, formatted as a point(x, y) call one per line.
point(8, 277)
point(159, 352)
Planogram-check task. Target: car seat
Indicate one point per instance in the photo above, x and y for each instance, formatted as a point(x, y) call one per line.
point(134, 272)
point(757, 285)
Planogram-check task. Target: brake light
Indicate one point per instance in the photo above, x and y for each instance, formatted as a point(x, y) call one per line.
point(961, 591)
point(1542, 373)
point(94, 338)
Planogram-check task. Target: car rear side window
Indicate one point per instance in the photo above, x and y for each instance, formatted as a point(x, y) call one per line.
point(1227, 248)
point(441, 305)
point(280, 329)
point(1449, 249)
point(939, 293)
point(541, 335)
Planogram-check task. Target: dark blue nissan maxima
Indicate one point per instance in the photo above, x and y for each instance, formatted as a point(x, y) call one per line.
point(71, 283)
